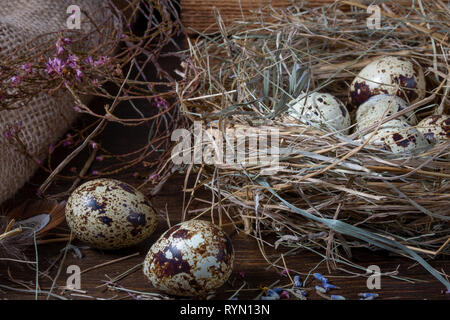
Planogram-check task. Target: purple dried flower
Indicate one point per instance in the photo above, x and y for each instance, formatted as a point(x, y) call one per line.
point(77, 108)
point(72, 61)
point(95, 173)
point(284, 295)
point(55, 66)
point(89, 60)
point(8, 134)
point(15, 81)
point(93, 144)
point(160, 103)
point(95, 83)
point(27, 67)
point(79, 74)
point(285, 272)
point(99, 158)
point(60, 45)
point(101, 61)
point(51, 148)
point(59, 51)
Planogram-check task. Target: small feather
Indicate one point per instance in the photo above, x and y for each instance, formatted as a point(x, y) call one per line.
point(36, 223)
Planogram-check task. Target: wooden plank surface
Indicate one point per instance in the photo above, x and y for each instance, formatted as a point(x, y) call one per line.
point(249, 262)
point(199, 14)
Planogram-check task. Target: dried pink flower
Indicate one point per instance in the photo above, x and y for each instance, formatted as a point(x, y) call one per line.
point(27, 67)
point(55, 66)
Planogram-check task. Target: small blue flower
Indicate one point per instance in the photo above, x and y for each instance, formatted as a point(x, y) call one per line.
point(277, 290)
point(321, 289)
point(269, 298)
point(320, 277)
point(297, 281)
point(329, 286)
point(273, 294)
point(336, 297)
point(368, 296)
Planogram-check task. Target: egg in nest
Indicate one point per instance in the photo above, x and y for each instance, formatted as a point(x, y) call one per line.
point(110, 214)
point(388, 75)
point(321, 108)
point(398, 137)
point(435, 128)
point(192, 258)
point(380, 107)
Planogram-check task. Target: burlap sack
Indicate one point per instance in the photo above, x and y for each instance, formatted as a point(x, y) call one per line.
point(45, 118)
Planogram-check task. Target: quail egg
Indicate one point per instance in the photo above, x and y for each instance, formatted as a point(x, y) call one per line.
point(435, 128)
point(321, 108)
point(109, 214)
point(192, 258)
point(398, 137)
point(373, 110)
point(384, 75)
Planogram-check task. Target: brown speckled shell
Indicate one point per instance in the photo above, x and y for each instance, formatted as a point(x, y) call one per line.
point(190, 259)
point(384, 75)
point(382, 105)
point(399, 138)
point(110, 214)
point(435, 128)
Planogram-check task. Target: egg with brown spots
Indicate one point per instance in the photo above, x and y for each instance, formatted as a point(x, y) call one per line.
point(191, 259)
point(384, 76)
point(380, 107)
point(321, 108)
point(398, 137)
point(435, 128)
point(110, 214)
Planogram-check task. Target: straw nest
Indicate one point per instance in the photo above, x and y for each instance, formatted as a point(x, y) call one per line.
point(329, 190)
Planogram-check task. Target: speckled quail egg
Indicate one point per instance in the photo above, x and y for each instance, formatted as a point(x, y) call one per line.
point(321, 108)
point(373, 110)
point(110, 214)
point(435, 128)
point(384, 75)
point(398, 137)
point(192, 258)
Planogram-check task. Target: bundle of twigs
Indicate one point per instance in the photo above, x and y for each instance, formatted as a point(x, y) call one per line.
point(329, 190)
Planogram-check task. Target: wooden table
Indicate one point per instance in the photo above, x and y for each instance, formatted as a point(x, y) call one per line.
point(249, 262)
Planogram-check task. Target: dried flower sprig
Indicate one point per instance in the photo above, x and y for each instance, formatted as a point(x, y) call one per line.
point(56, 65)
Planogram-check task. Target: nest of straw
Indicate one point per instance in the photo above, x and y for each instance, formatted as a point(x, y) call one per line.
point(330, 191)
